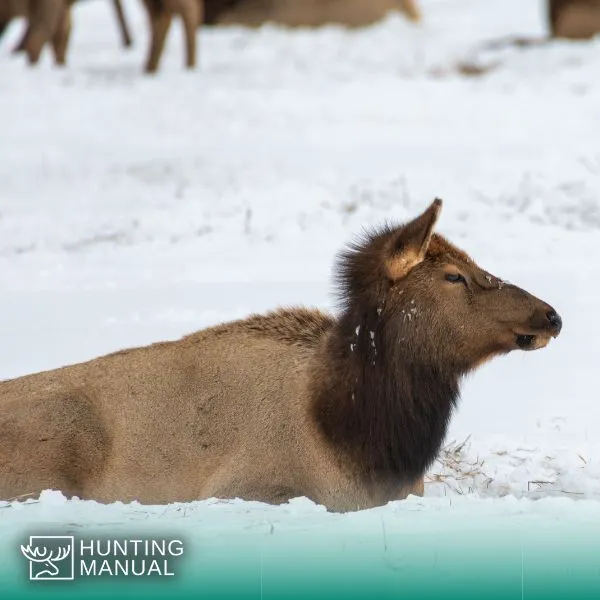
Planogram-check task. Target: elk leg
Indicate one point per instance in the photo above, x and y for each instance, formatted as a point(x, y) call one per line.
point(410, 8)
point(43, 22)
point(34, 42)
point(160, 27)
point(123, 27)
point(60, 40)
point(192, 15)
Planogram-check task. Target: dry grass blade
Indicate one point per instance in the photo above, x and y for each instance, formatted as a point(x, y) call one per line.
point(454, 468)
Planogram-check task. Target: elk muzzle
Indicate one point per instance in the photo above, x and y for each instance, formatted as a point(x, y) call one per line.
point(544, 324)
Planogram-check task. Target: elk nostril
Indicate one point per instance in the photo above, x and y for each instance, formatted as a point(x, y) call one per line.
point(554, 319)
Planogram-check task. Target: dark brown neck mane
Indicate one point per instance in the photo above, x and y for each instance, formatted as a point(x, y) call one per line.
point(386, 411)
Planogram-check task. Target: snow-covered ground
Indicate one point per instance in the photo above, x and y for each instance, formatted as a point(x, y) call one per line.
point(134, 209)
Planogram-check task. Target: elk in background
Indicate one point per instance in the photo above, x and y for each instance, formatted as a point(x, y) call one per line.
point(195, 13)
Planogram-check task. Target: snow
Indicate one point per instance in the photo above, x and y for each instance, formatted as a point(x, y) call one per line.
point(135, 209)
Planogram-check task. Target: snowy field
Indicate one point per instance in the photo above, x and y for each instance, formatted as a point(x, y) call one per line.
point(135, 209)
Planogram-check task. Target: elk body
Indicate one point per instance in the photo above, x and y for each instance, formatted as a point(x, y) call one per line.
point(349, 411)
point(307, 13)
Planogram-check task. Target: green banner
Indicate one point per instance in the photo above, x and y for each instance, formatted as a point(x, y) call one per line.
point(431, 548)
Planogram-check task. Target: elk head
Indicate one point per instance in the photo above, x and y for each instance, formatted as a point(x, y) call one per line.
point(437, 306)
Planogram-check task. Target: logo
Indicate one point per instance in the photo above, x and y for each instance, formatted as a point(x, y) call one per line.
point(51, 557)
point(64, 558)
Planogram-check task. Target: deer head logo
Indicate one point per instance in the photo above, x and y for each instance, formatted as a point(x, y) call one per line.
point(44, 552)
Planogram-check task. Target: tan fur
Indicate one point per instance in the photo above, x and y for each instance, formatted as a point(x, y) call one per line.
point(160, 14)
point(198, 430)
point(575, 19)
point(257, 408)
point(313, 13)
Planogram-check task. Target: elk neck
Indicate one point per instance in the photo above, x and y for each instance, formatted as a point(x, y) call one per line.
point(379, 403)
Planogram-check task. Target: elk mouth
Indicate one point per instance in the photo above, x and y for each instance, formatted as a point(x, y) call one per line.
point(525, 342)
point(529, 341)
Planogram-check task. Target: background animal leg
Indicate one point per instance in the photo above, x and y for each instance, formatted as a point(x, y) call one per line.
point(123, 27)
point(192, 13)
point(160, 27)
point(60, 39)
point(43, 22)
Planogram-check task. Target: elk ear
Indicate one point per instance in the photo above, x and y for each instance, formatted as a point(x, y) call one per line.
point(410, 242)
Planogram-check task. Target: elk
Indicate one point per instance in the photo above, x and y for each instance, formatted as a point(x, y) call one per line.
point(49, 21)
point(347, 410)
point(196, 13)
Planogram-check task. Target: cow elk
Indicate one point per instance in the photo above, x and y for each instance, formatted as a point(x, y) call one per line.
point(347, 410)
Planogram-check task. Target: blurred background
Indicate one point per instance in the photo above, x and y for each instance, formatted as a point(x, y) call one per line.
point(136, 207)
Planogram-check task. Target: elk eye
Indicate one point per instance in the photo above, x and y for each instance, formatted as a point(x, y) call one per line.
point(455, 278)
